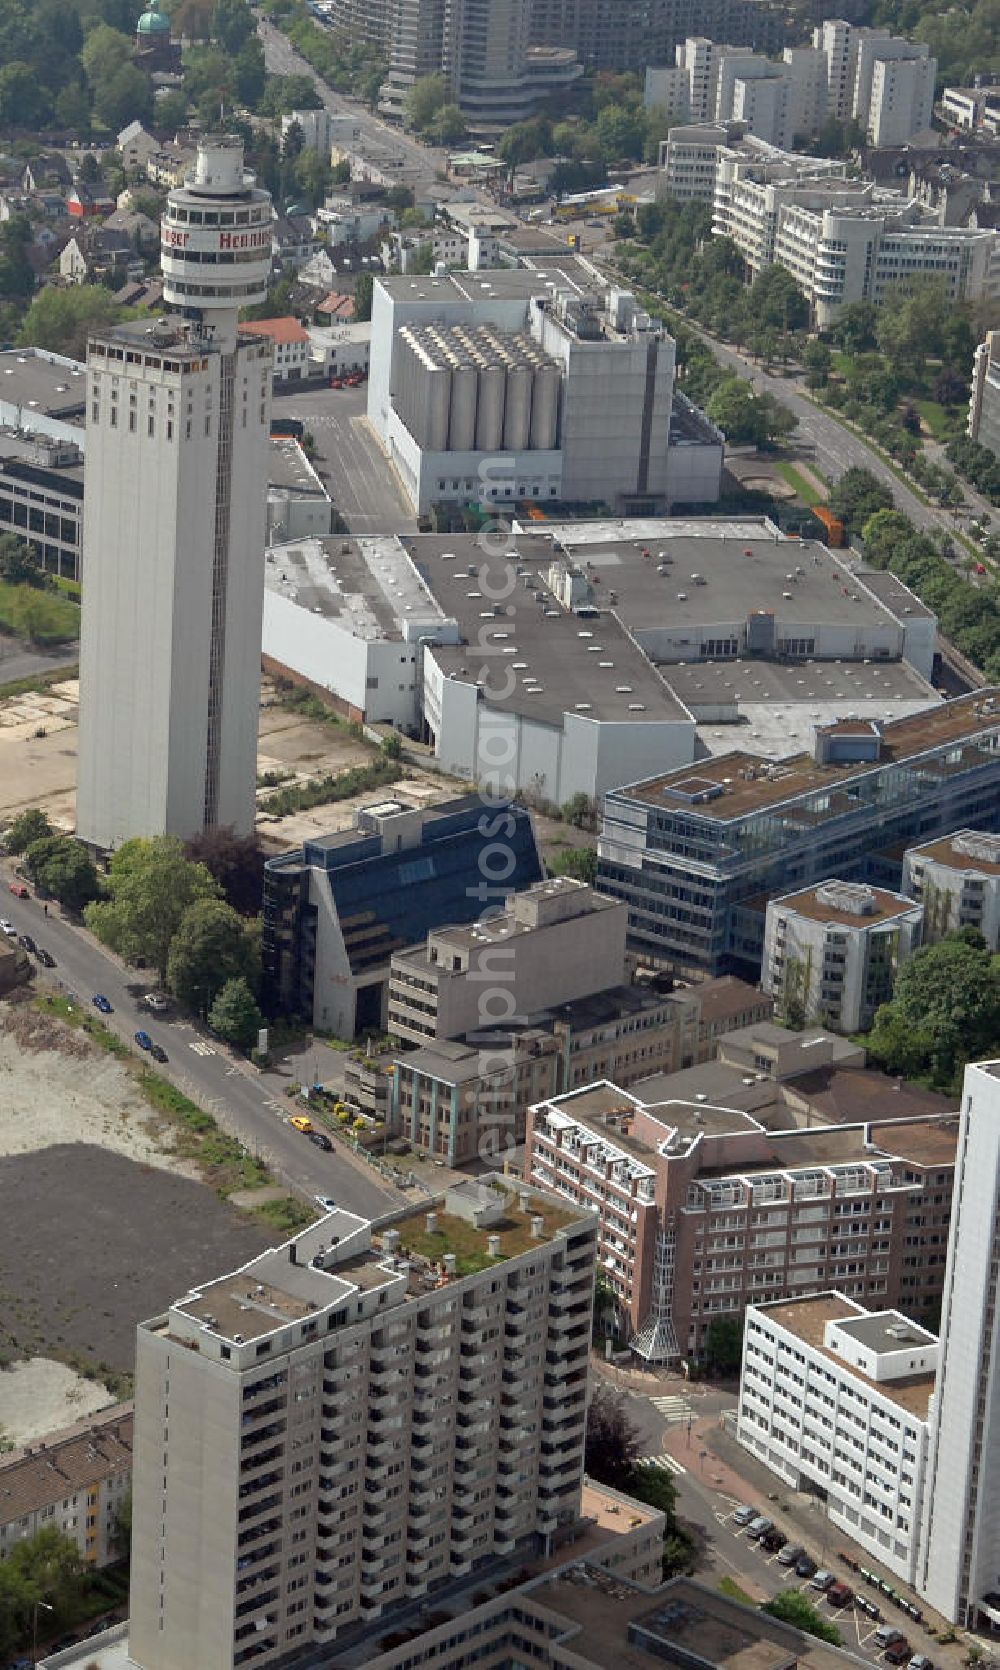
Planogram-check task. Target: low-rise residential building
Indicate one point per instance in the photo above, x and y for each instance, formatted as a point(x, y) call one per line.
point(463, 1098)
point(290, 342)
point(75, 1482)
point(984, 400)
point(834, 1399)
point(339, 348)
point(336, 909)
point(135, 147)
point(705, 1208)
point(957, 882)
point(554, 942)
point(104, 255)
point(831, 952)
point(89, 200)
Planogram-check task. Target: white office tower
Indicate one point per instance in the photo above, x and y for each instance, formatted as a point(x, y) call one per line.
point(174, 497)
point(354, 1419)
point(959, 1571)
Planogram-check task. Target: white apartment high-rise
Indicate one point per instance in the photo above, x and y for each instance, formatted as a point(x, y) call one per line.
point(960, 1554)
point(177, 434)
point(354, 1418)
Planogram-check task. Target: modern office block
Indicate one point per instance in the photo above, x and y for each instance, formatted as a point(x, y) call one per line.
point(957, 881)
point(337, 909)
point(831, 952)
point(174, 518)
point(834, 1398)
point(554, 942)
point(354, 1418)
point(696, 851)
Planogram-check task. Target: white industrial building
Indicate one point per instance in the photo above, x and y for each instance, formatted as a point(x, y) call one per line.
point(831, 951)
point(984, 398)
point(835, 1398)
point(174, 527)
point(583, 654)
point(538, 385)
point(957, 881)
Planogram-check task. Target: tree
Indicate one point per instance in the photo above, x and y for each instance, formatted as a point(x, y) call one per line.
point(24, 102)
point(235, 862)
point(250, 73)
point(611, 1447)
point(792, 1607)
point(104, 53)
point(950, 388)
point(20, 564)
point(59, 865)
point(90, 168)
point(724, 1345)
point(746, 418)
point(946, 997)
point(27, 827)
point(235, 1016)
point(448, 126)
point(151, 885)
point(579, 862)
point(62, 320)
point(364, 286)
point(857, 496)
point(817, 359)
point(170, 112)
point(425, 98)
point(124, 97)
point(73, 109)
point(17, 277)
point(883, 533)
point(581, 811)
point(853, 330)
point(210, 947)
point(775, 300)
point(232, 25)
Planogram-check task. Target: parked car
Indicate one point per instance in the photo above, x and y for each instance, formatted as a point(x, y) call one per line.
point(45, 957)
point(920, 1661)
point(791, 1554)
point(143, 1040)
point(321, 1140)
point(744, 1515)
point(299, 1122)
point(7, 928)
point(326, 1201)
point(101, 1002)
point(885, 1636)
point(867, 1606)
point(336, 382)
point(155, 1001)
point(805, 1566)
point(839, 1594)
point(28, 943)
point(158, 1053)
point(822, 1580)
point(759, 1528)
point(773, 1540)
point(19, 890)
point(899, 1653)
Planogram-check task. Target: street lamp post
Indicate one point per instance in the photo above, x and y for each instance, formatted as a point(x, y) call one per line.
point(44, 1606)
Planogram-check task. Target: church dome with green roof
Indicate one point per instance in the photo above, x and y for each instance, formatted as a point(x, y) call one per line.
point(153, 21)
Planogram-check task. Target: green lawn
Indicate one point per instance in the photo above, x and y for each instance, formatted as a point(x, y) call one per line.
point(43, 617)
point(729, 1586)
point(803, 488)
point(943, 425)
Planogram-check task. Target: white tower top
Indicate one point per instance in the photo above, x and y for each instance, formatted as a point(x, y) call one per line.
point(215, 240)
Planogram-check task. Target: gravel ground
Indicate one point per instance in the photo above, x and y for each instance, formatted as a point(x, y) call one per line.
point(42, 1396)
point(72, 1093)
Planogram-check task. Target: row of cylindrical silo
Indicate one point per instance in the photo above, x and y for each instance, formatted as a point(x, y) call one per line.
point(476, 389)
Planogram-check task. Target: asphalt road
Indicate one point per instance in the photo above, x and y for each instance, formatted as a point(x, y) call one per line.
point(350, 460)
point(247, 1105)
point(282, 59)
point(18, 661)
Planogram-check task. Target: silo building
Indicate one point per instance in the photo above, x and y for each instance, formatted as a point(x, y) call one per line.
point(177, 435)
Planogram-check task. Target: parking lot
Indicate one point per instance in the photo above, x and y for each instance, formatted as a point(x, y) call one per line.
point(874, 1617)
point(349, 459)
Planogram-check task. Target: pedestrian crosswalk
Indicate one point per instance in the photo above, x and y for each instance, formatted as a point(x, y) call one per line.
point(667, 1461)
point(673, 1408)
point(201, 1049)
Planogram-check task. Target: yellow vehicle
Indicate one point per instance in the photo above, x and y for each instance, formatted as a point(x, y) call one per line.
point(301, 1123)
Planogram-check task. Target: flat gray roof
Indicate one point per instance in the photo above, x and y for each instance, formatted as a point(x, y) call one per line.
point(508, 283)
point(288, 467)
point(560, 662)
point(886, 1330)
point(367, 585)
point(30, 380)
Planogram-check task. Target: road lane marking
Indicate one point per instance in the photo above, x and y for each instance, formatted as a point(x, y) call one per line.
point(673, 1408)
point(201, 1049)
point(667, 1461)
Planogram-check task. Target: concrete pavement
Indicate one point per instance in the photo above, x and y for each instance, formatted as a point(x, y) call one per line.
point(247, 1105)
point(19, 660)
point(361, 481)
